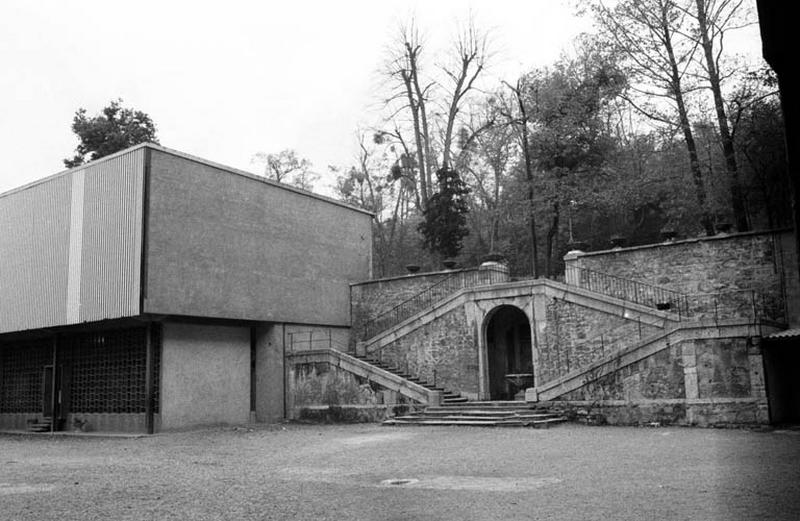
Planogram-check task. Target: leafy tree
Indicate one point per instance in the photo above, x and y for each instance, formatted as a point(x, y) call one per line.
point(445, 223)
point(713, 18)
point(115, 128)
point(651, 35)
point(569, 138)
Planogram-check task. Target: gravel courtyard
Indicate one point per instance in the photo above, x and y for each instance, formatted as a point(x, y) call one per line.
point(369, 472)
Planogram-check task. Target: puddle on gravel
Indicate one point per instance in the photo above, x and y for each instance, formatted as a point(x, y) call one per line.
point(7, 489)
point(474, 483)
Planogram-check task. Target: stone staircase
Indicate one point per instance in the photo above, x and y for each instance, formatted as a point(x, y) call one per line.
point(483, 414)
point(448, 397)
point(40, 425)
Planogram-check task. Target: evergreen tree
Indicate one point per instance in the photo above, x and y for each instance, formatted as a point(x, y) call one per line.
point(445, 223)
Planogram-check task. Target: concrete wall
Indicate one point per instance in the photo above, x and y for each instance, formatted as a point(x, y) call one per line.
point(225, 244)
point(269, 373)
point(323, 392)
point(205, 375)
point(717, 272)
point(324, 384)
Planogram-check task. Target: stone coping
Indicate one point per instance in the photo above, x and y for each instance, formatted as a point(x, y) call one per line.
point(575, 254)
point(424, 274)
point(411, 276)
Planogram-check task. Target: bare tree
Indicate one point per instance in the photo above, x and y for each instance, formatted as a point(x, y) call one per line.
point(413, 93)
point(470, 50)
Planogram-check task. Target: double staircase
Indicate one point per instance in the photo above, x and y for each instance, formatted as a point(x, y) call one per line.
point(482, 414)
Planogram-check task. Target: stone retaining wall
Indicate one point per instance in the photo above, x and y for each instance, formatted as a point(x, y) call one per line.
point(371, 299)
point(704, 382)
point(575, 336)
point(447, 345)
point(726, 276)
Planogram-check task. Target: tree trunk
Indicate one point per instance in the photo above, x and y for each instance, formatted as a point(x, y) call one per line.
point(694, 162)
point(737, 197)
point(526, 154)
point(551, 234)
point(415, 117)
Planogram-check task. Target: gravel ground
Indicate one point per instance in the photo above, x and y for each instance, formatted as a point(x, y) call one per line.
point(369, 472)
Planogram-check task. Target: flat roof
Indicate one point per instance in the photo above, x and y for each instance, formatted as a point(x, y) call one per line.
point(196, 159)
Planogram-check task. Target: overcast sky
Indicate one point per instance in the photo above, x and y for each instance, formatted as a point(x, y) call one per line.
point(226, 79)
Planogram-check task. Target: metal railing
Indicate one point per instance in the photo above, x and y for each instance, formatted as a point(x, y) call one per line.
point(656, 297)
point(313, 339)
point(743, 303)
point(746, 304)
point(429, 296)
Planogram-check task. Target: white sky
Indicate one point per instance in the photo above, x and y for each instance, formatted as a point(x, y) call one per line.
point(224, 80)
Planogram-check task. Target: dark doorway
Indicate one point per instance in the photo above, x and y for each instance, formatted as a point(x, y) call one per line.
point(60, 386)
point(781, 369)
point(508, 342)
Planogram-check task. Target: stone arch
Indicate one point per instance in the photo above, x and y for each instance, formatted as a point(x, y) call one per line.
point(507, 334)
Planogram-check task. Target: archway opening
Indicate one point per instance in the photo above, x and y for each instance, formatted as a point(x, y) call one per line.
point(508, 342)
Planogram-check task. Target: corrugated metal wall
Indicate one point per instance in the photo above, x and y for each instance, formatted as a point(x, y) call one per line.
point(70, 246)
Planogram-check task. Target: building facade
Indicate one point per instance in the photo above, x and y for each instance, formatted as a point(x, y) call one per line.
point(152, 290)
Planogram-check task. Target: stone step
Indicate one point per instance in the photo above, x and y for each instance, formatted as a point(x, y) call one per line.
point(40, 425)
point(501, 403)
point(512, 418)
point(465, 406)
point(485, 413)
point(475, 423)
point(455, 400)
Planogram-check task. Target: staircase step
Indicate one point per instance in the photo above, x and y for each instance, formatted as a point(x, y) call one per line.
point(41, 425)
point(475, 423)
point(487, 414)
point(501, 403)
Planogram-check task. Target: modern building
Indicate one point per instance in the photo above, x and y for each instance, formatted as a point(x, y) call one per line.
point(153, 290)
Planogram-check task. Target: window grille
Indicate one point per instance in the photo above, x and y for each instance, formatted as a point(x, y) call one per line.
point(104, 371)
point(21, 375)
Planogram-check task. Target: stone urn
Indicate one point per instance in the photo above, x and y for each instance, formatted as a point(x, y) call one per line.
point(494, 257)
point(412, 268)
point(450, 263)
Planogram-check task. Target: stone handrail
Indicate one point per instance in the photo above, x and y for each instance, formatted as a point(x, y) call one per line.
point(362, 369)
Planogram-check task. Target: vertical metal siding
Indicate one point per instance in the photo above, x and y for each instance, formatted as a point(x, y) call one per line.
point(63, 260)
point(111, 249)
point(34, 246)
